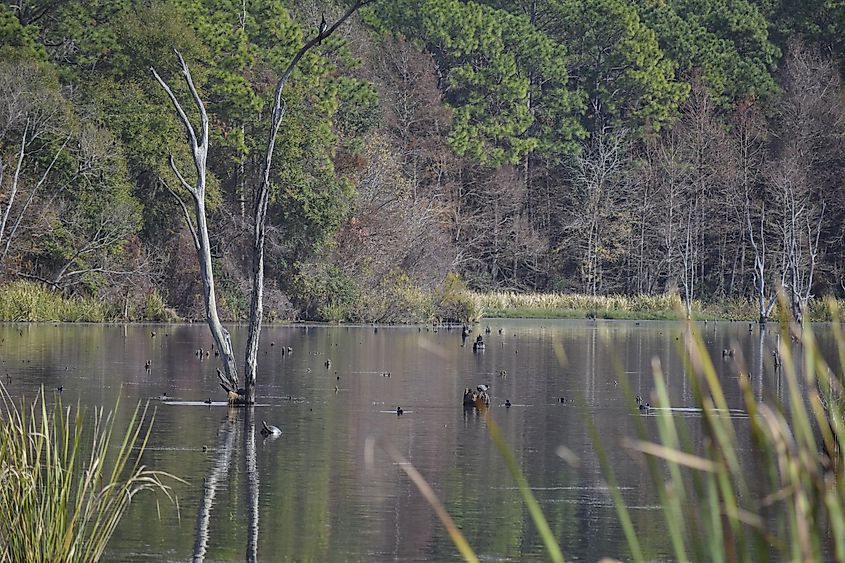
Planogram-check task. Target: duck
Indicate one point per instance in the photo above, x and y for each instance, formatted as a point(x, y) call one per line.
point(399, 411)
point(269, 430)
point(507, 403)
point(207, 401)
point(478, 344)
point(641, 405)
point(469, 397)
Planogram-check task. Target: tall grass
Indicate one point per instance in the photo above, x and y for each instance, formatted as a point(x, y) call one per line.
point(25, 301)
point(66, 480)
point(717, 509)
point(663, 306)
point(787, 504)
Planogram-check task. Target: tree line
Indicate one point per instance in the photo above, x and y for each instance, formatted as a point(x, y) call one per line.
point(596, 146)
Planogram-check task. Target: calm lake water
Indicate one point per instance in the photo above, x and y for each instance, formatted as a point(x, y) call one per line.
point(318, 499)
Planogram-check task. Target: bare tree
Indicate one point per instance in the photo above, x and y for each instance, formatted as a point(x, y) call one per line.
point(199, 149)
point(748, 140)
point(811, 117)
point(597, 176)
point(32, 112)
point(199, 231)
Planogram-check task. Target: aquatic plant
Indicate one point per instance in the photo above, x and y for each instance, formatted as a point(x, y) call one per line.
point(789, 505)
point(23, 301)
point(617, 306)
point(66, 480)
point(793, 506)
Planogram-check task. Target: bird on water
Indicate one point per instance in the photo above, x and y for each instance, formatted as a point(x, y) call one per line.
point(269, 430)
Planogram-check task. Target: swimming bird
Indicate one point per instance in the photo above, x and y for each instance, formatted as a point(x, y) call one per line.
point(399, 411)
point(641, 405)
point(207, 401)
point(269, 430)
point(60, 388)
point(469, 397)
point(507, 403)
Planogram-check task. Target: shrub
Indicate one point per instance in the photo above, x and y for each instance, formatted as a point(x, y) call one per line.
point(453, 303)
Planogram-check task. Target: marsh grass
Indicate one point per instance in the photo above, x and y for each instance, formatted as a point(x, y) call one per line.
point(67, 479)
point(667, 306)
point(789, 504)
point(24, 301)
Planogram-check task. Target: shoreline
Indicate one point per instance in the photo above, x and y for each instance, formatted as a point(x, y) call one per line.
point(28, 302)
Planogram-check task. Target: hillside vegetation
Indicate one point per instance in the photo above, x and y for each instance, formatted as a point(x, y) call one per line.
point(600, 147)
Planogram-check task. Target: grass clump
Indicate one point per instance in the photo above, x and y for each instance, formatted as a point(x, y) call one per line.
point(787, 503)
point(26, 301)
point(577, 305)
point(66, 480)
point(666, 306)
point(791, 505)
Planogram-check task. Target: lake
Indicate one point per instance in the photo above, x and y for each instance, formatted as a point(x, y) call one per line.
point(318, 496)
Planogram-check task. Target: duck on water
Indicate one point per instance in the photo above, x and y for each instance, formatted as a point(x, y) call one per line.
point(269, 430)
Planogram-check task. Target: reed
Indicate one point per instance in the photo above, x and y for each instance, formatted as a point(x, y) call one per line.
point(25, 301)
point(667, 306)
point(789, 506)
point(793, 506)
point(66, 480)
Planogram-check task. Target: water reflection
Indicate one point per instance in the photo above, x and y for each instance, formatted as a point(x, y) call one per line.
point(226, 432)
point(318, 499)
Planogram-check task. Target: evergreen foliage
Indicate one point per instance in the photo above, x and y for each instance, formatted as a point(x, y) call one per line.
point(528, 145)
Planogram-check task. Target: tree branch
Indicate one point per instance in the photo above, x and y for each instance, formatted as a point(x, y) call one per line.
point(29, 200)
point(182, 115)
point(184, 208)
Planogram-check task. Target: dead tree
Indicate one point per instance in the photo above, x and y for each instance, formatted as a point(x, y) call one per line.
point(199, 231)
point(199, 149)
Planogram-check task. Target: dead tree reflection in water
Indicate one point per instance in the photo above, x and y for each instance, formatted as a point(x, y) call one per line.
point(251, 485)
point(227, 433)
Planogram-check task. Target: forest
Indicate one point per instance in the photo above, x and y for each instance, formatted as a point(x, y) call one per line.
point(598, 147)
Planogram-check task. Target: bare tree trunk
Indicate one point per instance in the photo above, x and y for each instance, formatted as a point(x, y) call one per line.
point(256, 308)
point(14, 188)
point(199, 150)
point(199, 233)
